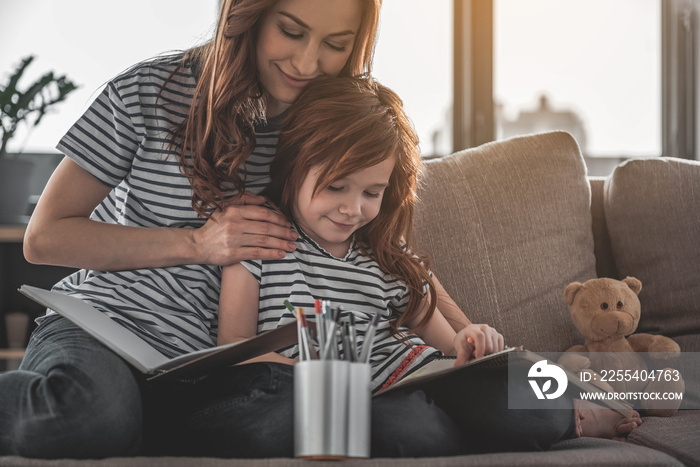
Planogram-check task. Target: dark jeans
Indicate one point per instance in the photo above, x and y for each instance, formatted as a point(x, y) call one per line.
point(74, 398)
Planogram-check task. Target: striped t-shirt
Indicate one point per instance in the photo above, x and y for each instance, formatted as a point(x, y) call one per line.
point(358, 284)
point(123, 140)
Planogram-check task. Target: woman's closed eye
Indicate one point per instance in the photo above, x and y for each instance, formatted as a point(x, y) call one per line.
point(369, 194)
point(337, 47)
point(290, 34)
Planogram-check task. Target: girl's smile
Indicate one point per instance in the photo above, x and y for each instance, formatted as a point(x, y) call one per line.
point(343, 226)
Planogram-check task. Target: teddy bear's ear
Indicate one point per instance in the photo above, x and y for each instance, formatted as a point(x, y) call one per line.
point(633, 283)
point(570, 292)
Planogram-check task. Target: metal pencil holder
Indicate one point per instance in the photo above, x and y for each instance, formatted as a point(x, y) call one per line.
point(332, 409)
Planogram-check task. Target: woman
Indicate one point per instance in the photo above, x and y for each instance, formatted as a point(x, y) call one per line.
point(144, 203)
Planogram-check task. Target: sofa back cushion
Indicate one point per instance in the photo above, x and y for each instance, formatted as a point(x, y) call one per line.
point(507, 226)
point(604, 259)
point(652, 208)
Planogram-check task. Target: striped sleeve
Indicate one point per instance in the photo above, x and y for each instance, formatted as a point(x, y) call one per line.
point(104, 140)
point(254, 266)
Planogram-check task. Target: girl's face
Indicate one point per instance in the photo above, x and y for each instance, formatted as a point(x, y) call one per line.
point(300, 40)
point(331, 217)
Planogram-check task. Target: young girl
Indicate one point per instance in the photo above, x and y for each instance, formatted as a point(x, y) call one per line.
point(346, 172)
point(348, 179)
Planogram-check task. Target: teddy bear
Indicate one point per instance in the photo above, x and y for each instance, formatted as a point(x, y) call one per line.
point(606, 312)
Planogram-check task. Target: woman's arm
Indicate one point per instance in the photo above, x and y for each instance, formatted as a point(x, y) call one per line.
point(61, 233)
point(238, 310)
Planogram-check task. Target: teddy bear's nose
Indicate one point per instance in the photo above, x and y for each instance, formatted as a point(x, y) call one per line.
point(612, 323)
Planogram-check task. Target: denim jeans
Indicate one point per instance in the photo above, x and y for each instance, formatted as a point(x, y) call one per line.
point(71, 397)
point(74, 398)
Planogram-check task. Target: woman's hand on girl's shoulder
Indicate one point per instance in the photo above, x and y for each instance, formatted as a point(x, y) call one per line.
point(244, 229)
point(475, 341)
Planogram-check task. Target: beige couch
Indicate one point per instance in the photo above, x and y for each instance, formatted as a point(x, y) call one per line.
point(508, 225)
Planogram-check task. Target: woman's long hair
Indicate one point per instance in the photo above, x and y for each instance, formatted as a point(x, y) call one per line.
point(218, 135)
point(343, 125)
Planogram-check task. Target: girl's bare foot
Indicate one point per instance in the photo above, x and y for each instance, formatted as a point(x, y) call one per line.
point(595, 421)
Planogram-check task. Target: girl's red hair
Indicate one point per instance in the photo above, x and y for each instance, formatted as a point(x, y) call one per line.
point(344, 125)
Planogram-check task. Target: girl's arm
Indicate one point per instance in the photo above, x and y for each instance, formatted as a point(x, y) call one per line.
point(473, 340)
point(450, 310)
point(60, 232)
point(238, 310)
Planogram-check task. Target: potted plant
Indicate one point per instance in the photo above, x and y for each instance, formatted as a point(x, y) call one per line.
point(19, 108)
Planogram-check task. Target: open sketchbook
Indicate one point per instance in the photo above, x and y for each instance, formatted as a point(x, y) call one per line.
point(143, 356)
point(444, 368)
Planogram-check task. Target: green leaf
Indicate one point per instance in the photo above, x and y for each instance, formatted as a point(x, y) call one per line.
point(17, 106)
point(10, 89)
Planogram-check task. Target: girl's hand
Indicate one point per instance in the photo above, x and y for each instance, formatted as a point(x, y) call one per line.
point(475, 341)
point(243, 230)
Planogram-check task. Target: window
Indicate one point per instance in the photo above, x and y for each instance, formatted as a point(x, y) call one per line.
point(91, 44)
point(591, 67)
point(413, 57)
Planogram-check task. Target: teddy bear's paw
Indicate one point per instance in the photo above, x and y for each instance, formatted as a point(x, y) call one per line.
point(665, 407)
point(663, 354)
point(663, 349)
point(575, 363)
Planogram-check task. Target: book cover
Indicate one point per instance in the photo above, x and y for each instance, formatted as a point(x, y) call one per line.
point(147, 359)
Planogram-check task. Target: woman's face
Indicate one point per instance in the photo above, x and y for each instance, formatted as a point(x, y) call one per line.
point(300, 40)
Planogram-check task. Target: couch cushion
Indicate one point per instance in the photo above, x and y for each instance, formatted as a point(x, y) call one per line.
point(507, 226)
point(652, 208)
point(585, 452)
point(677, 435)
point(604, 260)
point(689, 366)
